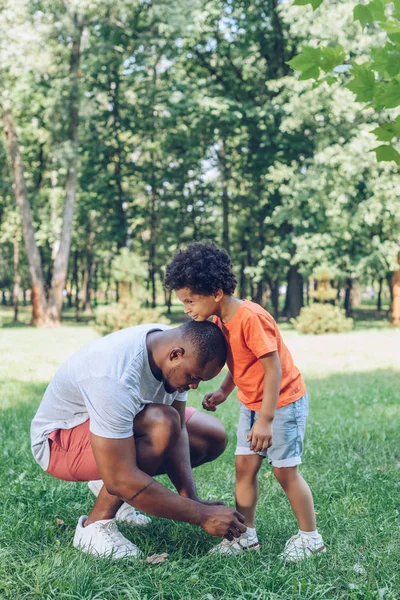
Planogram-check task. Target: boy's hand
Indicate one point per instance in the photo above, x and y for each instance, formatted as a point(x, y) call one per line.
point(211, 401)
point(260, 435)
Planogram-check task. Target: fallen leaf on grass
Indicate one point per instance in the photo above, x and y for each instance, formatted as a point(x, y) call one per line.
point(267, 474)
point(59, 521)
point(156, 559)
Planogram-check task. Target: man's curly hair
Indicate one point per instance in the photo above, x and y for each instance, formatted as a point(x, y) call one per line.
point(203, 268)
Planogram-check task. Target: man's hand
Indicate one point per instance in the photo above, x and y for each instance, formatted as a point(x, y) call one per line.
point(260, 435)
point(222, 521)
point(213, 399)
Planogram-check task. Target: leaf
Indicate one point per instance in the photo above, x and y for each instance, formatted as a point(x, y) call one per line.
point(387, 95)
point(377, 10)
point(307, 58)
point(156, 559)
point(387, 153)
point(393, 67)
point(362, 14)
point(331, 58)
point(384, 133)
point(314, 3)
point(362, 84)
point(386, 60)
point(391, 26)
point(311, 73)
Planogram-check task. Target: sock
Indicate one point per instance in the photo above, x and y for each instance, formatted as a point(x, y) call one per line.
point(315, 536)
point(251, 532)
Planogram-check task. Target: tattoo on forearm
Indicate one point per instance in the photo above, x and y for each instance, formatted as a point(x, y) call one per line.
point(142, 490)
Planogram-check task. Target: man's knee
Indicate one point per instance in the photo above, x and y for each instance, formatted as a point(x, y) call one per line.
point(162, 424)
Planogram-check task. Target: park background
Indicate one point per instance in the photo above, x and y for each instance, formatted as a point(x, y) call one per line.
point(131, 129)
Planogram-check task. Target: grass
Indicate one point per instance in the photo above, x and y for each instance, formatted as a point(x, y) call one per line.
point(351, 462)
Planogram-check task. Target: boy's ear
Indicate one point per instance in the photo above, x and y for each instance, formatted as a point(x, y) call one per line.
point(176, 353)
point(218, 295)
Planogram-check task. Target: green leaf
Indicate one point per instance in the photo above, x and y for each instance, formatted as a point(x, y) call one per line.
point(361, 13)
point(311, 73)
point(307, 62)
point(387, 153)
point(377, 10)
point(397, 9)
point(387, 95)
point(391, 26)
point(362, 84)
point(331, 58)
point(384, 133)
point(307, 58)
point(393, 67)
point(386, 60)
point(314, 3)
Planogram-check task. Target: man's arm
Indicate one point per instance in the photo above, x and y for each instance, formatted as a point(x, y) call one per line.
point(116, 461)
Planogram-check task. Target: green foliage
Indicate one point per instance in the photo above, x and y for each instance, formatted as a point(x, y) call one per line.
point(322, 318)
point(129, 267)
point(118, 316)
point(376, 80)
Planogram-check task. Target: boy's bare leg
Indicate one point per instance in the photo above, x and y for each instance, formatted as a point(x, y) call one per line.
point(299, 496)
point(247, 467)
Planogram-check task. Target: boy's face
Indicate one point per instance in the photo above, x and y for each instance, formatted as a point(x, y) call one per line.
point(198, 307)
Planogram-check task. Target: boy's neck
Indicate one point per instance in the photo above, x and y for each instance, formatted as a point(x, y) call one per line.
point(228, 307)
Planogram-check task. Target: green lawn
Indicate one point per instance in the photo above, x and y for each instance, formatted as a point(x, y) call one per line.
point(351, 461)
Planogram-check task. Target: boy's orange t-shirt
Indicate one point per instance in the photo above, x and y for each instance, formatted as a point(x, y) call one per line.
point(251, 334)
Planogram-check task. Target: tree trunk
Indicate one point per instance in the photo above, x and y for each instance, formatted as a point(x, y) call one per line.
point(274, 287)
point(379, 300)
point(356, 295)
point(348, 297)
point(61, 261)
point(225, 196)
point(38, 298)
point(294, 295)
point(259, 292)
point(17, 277)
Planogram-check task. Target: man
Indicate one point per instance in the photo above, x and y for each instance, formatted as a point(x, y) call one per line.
point(115, 411)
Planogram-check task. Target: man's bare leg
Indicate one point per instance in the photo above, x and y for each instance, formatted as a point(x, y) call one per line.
point(156, 429)
point(207, 438)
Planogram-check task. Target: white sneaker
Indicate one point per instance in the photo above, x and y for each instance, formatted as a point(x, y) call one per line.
point(237, 545)
point(126, 512)
point(302, 546)
point(103, 539)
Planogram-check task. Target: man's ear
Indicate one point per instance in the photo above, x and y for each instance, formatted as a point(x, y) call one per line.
point(176, 353)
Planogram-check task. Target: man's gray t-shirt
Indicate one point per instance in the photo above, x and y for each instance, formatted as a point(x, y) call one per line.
point(108, 381)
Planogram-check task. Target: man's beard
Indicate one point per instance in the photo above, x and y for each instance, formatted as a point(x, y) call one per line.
point(166, 381)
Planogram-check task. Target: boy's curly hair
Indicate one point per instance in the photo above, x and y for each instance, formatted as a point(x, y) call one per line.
point(203, 268)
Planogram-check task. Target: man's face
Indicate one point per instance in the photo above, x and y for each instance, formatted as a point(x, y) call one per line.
point(196, 306)
point(184, 373)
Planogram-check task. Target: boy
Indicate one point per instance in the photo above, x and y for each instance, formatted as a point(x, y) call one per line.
point(274, 402)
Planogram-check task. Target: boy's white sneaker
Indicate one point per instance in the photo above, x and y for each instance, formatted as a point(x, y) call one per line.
point(103, 539)
point(237, 545)
point(301, 546)
point(126, 513)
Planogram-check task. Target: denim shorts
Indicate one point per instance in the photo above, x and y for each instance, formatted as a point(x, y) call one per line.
point(288, 428)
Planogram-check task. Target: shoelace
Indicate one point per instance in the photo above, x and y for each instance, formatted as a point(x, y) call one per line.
point(293, 539)
point(114, 535)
